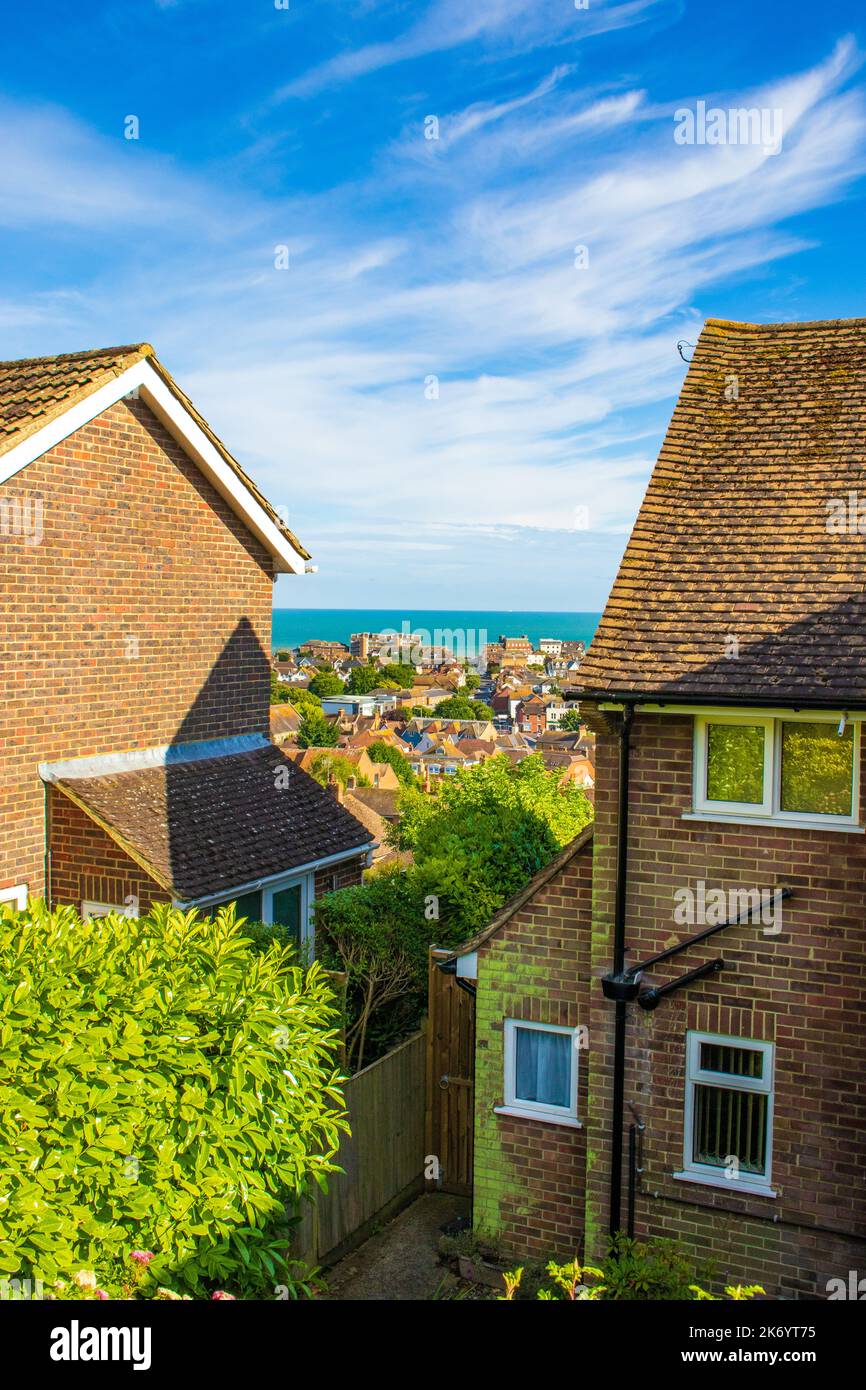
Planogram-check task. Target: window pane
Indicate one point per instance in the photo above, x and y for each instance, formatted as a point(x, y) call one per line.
point(817, 768)
point(287, 911)
point(730, 1124)
point(543, 1067)
point(736, 1061)
point(248, 905)
point(735, 763)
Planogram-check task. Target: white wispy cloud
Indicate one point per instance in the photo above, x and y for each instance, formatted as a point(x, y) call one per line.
point(554, 381)
point(448, 24)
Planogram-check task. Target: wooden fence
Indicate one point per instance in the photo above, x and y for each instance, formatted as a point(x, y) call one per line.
point(383, 1158)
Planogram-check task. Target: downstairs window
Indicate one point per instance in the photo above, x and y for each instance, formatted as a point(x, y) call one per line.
point(540, 1071)
point(728, 1112)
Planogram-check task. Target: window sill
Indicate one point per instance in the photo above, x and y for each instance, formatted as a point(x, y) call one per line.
point(807, 823)
point(735, 1186)
point(518, 1113)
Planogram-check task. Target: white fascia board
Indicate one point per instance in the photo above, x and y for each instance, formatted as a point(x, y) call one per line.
point(142, 378)
point(227, 894)
point(467, 966)
point(133, 760)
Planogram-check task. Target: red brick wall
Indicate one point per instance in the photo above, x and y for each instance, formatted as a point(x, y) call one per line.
point(802, 989)
point(529, 1174)
point(344, 875)
point(86, 864)
point(135, 545)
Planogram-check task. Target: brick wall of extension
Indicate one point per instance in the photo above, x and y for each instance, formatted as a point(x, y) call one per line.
point(87, 864)
point(530, 1176)
point(142, 617)
point(801, 989)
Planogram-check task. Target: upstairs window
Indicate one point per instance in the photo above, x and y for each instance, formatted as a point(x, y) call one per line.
point(788, 769)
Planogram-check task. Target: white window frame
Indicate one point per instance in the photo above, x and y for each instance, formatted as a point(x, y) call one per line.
point(91, 909)
point(17, 895)
point(769, 811)
point(752, 1184)
point(528, 1109)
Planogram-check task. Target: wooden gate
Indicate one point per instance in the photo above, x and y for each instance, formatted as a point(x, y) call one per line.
point(450, 1079)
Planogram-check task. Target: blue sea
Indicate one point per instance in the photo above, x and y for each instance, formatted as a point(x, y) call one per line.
point(292, 626)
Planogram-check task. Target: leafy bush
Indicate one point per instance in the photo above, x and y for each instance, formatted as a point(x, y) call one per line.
point(634, 1271)
point(489, 829)
point(168, 1088)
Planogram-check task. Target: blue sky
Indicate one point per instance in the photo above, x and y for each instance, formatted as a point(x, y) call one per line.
point(412, 258)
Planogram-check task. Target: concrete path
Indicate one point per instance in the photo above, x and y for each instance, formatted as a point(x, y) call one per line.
point(401, 1260)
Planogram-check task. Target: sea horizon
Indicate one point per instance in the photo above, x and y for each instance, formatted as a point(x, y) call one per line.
point(293, 626)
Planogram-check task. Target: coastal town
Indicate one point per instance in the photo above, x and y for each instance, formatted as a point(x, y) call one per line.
point(416, 703)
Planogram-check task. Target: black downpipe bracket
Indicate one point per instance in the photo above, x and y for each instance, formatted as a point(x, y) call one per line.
point(618, 971)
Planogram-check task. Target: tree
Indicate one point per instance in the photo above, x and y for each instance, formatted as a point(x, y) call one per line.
point(327, 765)
point(489, 829)
point(316, 731)
point(570, 721)
point(402, 675)
point(381, 752)
point(378, 933)
point(284, 656)
point(326, 683)
point(471, 682)
point(281, 691)
point(362, 679)
point(304, 700)
point(461, 707)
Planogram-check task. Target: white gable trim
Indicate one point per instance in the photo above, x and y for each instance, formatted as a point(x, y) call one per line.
point(142, 378)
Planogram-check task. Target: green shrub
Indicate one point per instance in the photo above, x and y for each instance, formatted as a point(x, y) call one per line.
point(167, 1087)
point(634, 1271)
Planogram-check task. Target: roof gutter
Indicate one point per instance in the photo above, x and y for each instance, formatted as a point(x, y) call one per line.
point(295, 871)
point(715, 700)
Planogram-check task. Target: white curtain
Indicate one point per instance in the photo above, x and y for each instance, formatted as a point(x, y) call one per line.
point(543, 1067)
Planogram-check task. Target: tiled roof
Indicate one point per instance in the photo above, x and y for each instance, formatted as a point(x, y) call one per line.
point(35, 390)
point(382, 800)
point(209, 826)
point(732, 586)
point(284, 720)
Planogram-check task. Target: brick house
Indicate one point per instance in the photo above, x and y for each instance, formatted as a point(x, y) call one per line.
point(137, 562)
point(530, 717)
point(670, 1031)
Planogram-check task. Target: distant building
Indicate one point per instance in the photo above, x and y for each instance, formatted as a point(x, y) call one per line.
point(320, 650)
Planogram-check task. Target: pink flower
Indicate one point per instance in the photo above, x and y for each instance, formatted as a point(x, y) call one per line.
point(142, 1257)
point(100, 1293)
point(219, 1294)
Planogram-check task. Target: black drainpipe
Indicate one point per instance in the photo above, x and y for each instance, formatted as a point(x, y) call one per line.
point(618, 968)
